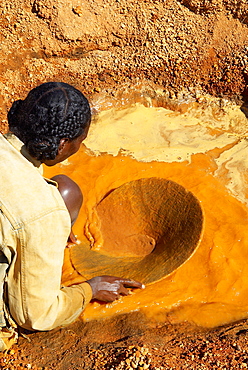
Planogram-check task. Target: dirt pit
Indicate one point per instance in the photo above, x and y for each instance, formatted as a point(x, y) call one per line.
point(118, 53)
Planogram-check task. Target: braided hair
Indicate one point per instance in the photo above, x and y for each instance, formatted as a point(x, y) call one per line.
point(52, 111)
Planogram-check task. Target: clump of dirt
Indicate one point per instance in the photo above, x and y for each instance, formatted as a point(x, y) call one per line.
point(101, 47)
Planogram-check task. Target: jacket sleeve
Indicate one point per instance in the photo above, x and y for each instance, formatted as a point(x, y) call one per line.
point(36, 300)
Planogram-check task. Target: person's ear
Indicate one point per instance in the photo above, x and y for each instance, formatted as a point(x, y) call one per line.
point(63, 145)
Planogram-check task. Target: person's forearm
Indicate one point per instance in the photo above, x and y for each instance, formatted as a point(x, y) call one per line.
point(36, 300)
point(46, 314)
point(70, 303)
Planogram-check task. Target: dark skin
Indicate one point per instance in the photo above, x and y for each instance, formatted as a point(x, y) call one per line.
point(110, 288)
point(73, 198)
point(104, 288)
point(67, 147)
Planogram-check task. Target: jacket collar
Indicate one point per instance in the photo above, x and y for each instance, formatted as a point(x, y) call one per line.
point(20, 147)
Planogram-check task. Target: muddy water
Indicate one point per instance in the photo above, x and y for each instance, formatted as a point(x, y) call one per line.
point(201, 146)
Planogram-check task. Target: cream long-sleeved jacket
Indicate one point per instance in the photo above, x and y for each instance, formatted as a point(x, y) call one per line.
point(34, 227)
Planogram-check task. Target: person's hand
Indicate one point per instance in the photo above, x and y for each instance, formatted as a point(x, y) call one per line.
point(109, 288)
point(72, 238)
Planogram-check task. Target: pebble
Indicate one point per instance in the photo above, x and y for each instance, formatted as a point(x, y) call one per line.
point(78, 10)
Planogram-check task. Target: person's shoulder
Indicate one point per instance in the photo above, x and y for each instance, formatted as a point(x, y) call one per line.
point(24, 192)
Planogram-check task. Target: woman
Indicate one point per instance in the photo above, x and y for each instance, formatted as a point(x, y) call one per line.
point(47, 127)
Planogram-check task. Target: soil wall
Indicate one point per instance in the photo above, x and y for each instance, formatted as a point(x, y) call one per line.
point(97, 46)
